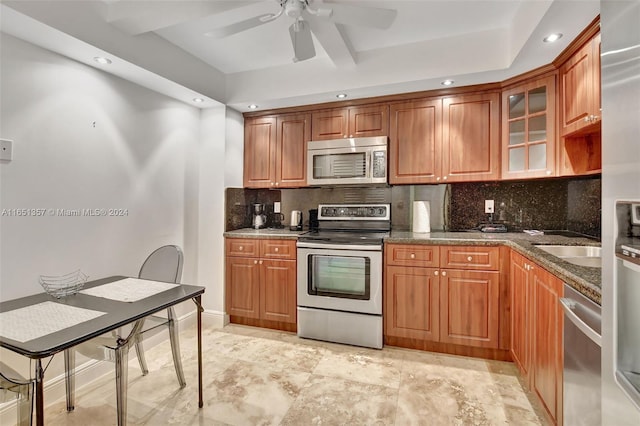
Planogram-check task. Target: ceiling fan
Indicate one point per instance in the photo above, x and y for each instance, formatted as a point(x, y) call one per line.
point(303, 14)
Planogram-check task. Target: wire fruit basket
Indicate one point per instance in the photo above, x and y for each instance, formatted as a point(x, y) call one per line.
point(63, 285)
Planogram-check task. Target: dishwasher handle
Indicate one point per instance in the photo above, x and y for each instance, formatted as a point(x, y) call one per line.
point(568, 305)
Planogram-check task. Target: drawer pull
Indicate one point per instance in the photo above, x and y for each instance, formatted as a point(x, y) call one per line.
point(469, 258)
point(261, 262)
point(240, 248)
point(436, 273)
point(413, 256)
point(444, 273)
point(255, 262)
point(276, 249)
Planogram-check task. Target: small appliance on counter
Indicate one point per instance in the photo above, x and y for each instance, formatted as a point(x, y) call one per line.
point(313, 220)
point(296, 221)
point(259, 220)
point(277, 220)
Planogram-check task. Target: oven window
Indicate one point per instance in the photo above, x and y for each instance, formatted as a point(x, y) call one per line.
point(339, 276)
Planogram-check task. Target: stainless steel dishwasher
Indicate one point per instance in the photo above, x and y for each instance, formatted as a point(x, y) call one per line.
point(582, 348)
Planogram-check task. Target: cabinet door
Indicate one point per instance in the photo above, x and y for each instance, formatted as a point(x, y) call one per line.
point(259, 152)
point(411, 303)
point(278, 290)
point(291, 154)
point(415, 140)
point(547, 340)
point(520, 296)
point(332, 124)
point(369, 121)
point(528, 130)
point(243, 287)
point(469, 308)
point(471, 138)
point(580, 90)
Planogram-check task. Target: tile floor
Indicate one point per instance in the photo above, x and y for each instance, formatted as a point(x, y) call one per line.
point(262, 377)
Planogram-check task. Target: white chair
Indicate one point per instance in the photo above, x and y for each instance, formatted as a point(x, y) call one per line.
point(14, 386)
point(164, 264)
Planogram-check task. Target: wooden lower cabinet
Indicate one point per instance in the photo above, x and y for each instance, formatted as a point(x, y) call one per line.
point(440, 309)
point(469, 312)
point(547, 362)
point(536, 325)
point(412, 303)
point(260, 282)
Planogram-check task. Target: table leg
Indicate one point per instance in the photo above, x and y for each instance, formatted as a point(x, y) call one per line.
point(39, 373)
point(198, 302)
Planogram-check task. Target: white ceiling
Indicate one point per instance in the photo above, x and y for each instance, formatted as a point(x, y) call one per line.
point(470, 41)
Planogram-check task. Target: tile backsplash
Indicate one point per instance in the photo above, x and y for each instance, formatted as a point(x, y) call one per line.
point(558, 204)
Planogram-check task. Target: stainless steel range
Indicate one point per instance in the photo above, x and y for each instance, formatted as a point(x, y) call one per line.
point(340, 275)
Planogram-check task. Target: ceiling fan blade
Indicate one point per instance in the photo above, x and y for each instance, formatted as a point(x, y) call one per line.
point(241, 26)
point(361, 16)
point(300, 33)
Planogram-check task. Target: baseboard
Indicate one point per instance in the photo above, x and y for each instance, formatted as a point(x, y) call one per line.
point(92, 370)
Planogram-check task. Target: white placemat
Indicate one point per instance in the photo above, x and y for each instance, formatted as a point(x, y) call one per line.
point(128, 289)
point(35, 321)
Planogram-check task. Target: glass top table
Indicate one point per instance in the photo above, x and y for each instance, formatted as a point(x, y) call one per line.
point(112, 315)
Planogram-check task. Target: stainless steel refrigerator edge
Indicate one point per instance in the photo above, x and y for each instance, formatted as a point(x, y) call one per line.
point(620, 31)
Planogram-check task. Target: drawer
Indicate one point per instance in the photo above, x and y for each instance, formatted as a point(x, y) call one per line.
point(278, 249)
point(411, 255)
point(470, 257)
point(242, 247)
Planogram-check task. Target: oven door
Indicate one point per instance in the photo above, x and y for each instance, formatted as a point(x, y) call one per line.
point(340, 277)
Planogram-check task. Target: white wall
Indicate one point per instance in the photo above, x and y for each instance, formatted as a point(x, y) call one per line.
point(86, 139)
point(234, 149)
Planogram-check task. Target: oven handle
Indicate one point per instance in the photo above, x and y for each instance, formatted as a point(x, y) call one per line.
point(361, 247)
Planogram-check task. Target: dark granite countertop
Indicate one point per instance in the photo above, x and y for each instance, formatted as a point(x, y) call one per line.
point(584, 279)
point(271, 233)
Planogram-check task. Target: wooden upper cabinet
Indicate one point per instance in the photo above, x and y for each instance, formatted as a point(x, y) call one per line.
point(415, 140)
point(275, 151)
point(580, 90)
point(528, 130)
point(259, 152)
point(293, 133)
point(471, 138)
point(350, 122)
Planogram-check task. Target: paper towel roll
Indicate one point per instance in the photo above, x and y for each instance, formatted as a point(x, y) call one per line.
point(421, 217)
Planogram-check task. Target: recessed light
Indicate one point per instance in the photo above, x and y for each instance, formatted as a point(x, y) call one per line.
point(253, 106)
point(552, 37)
point(447, 83)
point(198, 100)
point(341, 95)
point(101, 60)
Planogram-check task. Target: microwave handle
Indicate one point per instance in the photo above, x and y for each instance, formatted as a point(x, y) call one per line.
point(368, 161)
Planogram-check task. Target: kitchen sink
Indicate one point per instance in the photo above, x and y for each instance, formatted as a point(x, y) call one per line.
point(577, 255)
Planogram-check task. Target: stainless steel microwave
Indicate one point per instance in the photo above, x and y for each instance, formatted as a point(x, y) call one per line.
point(348, 161)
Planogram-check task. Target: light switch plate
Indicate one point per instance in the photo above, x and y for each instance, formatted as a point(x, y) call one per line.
point(6, 149)
point(488, 206)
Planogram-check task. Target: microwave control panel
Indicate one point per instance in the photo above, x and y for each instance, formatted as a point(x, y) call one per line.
point(379, 169)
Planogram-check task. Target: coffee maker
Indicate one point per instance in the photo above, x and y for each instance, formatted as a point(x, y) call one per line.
point(259, 218)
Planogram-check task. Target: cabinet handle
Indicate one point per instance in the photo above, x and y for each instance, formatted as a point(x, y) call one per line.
point(526, 266)
point(271, 183)
point(240, 248)
point(276, 249)
point(548, 172)
point(587, 119)
point(277, 183)
point(444, 273)
point(438, 178)
point(436, 273)
point(255, 262)
point(469, 258)
point(444, 178)
point(413, 256)
point(594, 118)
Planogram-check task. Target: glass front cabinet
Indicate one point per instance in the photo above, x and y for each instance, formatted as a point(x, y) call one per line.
point(528, 129)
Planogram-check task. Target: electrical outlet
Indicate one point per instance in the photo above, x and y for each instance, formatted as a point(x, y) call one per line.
point(276, 207)
point(488, 206)
point(6, 149)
